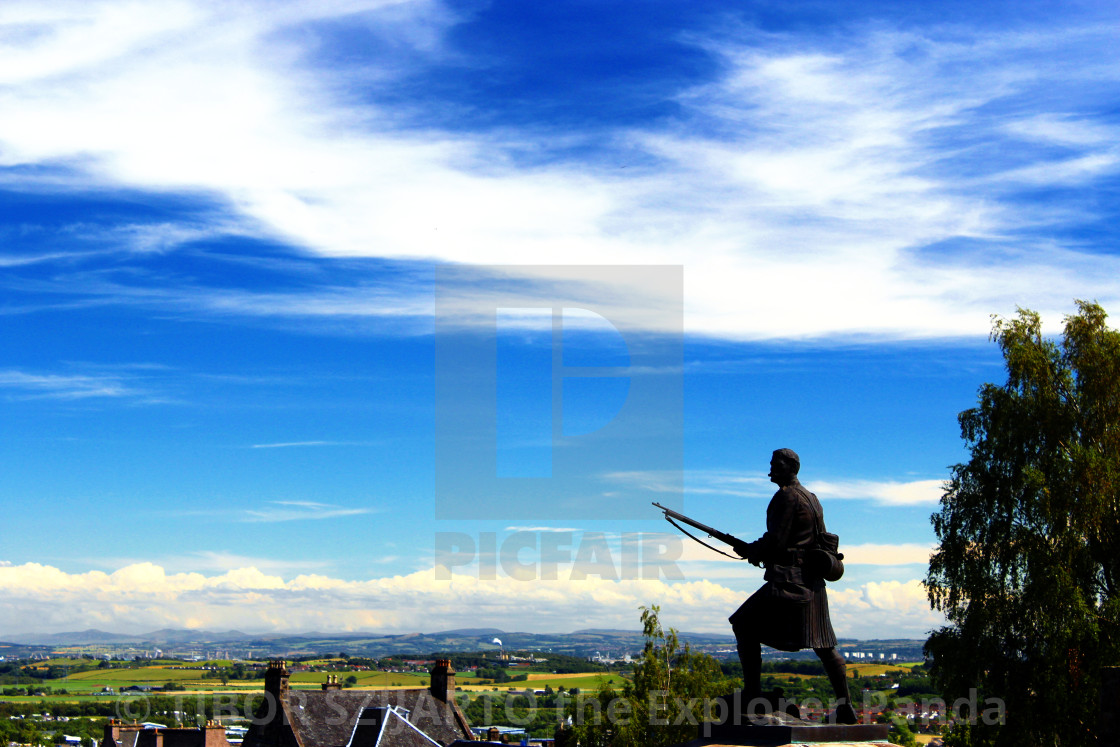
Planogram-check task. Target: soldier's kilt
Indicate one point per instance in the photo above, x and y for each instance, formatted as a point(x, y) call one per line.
point(786, 616)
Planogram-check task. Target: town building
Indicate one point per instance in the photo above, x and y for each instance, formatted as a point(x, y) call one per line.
point(333, 717)
point(119, 734)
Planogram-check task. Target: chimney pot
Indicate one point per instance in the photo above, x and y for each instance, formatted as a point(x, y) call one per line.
point(443, 681)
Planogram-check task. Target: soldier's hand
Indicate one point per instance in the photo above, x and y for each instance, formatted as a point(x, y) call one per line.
point(748, 550)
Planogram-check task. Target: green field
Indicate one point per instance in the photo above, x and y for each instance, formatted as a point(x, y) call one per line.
point(192, 679)
point(64, 662)
point(541, 681)
point(139, 676)
point(86, 685)
point(874, 670)
point(365, 679)
point(96, 679)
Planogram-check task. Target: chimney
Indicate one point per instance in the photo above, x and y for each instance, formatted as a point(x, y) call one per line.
point(332, 683)
point(215, 735)
point(113, 729)
point(276, 678)
point(112, 733)
point(443, 681)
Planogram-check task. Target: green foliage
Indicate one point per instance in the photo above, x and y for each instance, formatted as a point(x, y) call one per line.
point(733, 668)
point(971, 735)
point(494, 674)
point(900, 732)
point(664, 703)
point(538, 715)
point(1029, 530)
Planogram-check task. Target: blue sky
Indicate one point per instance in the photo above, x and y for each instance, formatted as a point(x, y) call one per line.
point(221, 226)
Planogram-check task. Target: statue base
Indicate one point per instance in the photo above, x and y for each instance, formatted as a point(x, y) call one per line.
point(772, 724)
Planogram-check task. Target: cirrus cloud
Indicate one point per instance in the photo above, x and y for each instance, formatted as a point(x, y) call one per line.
point(895, 174)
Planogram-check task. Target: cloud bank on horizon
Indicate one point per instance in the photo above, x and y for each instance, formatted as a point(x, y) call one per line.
point(144, 596)
point(907, 182)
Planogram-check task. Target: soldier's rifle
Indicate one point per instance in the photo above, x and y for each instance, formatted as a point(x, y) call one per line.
point(728, 539)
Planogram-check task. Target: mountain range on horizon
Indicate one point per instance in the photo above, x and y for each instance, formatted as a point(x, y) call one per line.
point(199, 635)
point(582, 643)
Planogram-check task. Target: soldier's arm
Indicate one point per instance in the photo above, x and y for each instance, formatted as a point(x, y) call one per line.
point(779, 522)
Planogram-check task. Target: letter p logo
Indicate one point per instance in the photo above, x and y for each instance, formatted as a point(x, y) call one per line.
point(550, 383)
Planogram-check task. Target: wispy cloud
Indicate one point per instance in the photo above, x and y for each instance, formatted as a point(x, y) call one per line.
point(848, 165)
point(758, 485)
point(300, 511)
point(698, 482)
point(64, 386)
point(541, 529)
point(300, 444)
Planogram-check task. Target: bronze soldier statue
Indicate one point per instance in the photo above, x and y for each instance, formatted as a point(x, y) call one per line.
point(790, 612)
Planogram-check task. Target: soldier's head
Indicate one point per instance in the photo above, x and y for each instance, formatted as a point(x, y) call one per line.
point(784, 465)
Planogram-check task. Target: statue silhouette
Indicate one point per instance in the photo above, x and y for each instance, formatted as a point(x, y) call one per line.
point(790, 612)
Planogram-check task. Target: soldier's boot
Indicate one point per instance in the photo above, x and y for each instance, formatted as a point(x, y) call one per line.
point(844, 714)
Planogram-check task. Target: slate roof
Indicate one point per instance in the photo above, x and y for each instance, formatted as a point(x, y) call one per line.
point(132, 735)
point(361, 718)
point(388, 727)
point(127, 739)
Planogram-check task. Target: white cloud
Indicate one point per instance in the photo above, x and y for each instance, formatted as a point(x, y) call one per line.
point(208, 560)
point(758, 485)
point(876, 609)
point(888, 493)
point(541, 529)
point(836, 166)
point(300, 511)
point(698, 482)
point(63, 386)
point(295, 444)
point(143, 596)
point(870, 553)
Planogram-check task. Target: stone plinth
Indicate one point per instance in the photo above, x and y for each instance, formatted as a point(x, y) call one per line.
point(802, 733)
point(781, 728)
point(711, 743)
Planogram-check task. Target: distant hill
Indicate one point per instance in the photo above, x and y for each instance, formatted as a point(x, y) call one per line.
point(77, 638)
point(581, 643)
point(172, 635)
point(601, 631)
point(11, 650)
point(472, 631)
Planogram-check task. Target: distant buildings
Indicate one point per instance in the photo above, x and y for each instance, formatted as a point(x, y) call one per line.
point(599, 658)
